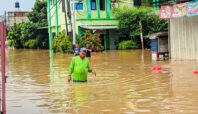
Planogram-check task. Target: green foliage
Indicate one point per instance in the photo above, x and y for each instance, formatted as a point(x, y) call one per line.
point(92, 40)
point(11, 43)
point(129, 44)
point(28, 35)
point(31, 43)
point(129, 19)
point(23, 32)
point(39, 13)
point(62, 43)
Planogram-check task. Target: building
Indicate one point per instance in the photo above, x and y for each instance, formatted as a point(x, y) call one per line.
point(93, 15)
point(158, 3)
point(183, 29)
point(1, 18)
point(16, 17)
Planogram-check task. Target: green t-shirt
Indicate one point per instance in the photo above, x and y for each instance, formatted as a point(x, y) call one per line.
point(79, 68)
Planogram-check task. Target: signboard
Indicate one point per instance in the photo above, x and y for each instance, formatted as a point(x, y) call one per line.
point(179, 10)
point(166, 12)
point(192, 8)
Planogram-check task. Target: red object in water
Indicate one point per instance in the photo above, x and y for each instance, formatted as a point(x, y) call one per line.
point(157, 68)
point(195, 72)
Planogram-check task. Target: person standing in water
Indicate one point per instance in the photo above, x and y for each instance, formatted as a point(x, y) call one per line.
point(88, 53)
point(76, 50)
point(79, 67)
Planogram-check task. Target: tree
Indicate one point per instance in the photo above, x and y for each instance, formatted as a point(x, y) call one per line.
point(129, 23)
point(92, 40)
point(30, 34)
point(61, 43)
point(21, 33)
point(39, 13)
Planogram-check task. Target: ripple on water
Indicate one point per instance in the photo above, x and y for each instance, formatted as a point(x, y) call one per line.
point(124, 85)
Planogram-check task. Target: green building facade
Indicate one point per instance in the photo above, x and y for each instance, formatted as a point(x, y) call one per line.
point(93, 15)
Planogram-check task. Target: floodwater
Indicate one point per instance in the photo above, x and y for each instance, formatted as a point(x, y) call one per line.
point(124, 84)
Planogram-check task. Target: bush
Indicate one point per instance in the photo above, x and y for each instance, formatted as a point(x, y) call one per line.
point(11, 43)
point(24, 34)
point(129, 19)
point(62, 43)
point(31, 44)
point(129, 44)
point(92, 40)
point(29, 34)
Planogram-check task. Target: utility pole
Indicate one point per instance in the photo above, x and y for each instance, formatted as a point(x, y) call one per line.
point(3, 63)
point(141, 35)
point(50, 38)
point(49, 25)
point(56, 14)
point(142, 41)
point(72, 6)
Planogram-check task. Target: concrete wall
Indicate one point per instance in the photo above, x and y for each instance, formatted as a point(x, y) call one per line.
point(16, 17)
point(183, 38)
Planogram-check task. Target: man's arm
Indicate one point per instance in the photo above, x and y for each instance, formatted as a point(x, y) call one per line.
point(71, 69)
point(90, 70)
point(89, 67)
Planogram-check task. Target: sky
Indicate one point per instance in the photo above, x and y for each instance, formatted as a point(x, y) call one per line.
point(9, 5)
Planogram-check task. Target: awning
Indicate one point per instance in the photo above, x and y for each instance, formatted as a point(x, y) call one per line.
point(156, 35)
point(46, 27)
point(98, 27)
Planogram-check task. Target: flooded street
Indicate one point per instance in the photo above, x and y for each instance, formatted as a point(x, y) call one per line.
point(124, 84)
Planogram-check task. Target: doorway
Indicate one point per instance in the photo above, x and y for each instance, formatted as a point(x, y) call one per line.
point(102, 37)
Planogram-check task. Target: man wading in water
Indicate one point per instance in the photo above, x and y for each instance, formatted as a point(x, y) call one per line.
point(79, 67)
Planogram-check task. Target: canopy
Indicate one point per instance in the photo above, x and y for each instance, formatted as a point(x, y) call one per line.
point(156, 35)
point(98, 27)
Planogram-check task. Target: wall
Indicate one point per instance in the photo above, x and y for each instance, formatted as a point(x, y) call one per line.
point(123, 3)
point(1, 18)
point(183, 38)
point(87, 13)
point(17, 17)
point(85, 16)
point(61, 16)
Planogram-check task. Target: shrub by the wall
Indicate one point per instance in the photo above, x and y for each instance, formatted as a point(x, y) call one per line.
point(62, 43)
point(129, 44)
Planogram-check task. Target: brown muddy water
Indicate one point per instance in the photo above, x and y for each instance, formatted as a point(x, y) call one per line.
point(124, 84)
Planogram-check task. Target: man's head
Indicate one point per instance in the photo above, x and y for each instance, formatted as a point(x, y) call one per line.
point(87, 45)
point(83, 52)
point(76, 45)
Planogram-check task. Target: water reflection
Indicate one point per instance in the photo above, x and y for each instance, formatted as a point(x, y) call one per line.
point(125, 84)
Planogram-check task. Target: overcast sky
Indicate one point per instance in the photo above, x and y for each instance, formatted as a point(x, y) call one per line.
point(9, 5)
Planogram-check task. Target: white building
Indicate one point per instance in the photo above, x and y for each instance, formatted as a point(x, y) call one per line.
point(1, 18)
point(16, 17)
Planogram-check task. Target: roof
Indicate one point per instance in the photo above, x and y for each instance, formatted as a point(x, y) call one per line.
point(18, 11)
point(98, 27)
point(156, 35)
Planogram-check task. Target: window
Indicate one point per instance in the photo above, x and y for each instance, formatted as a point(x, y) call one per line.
point(102, 4)
point(78, 6)
point(93, 4)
